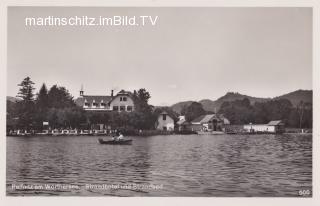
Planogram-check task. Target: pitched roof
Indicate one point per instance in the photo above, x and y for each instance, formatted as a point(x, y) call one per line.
point(275, 122)
point(198, 119)
point(207, 118)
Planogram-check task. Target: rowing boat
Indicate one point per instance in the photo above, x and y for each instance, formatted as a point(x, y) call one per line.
point(116, 142)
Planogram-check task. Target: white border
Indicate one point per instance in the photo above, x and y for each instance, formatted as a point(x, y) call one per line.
point(315, 200)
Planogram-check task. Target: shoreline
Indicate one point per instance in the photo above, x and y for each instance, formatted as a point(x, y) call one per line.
point(147, 133)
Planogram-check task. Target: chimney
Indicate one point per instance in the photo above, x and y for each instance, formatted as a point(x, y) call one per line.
point(81, 91)
point(112, 93)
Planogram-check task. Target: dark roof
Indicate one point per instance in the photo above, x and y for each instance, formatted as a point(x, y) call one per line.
point(207, 118)
point(98, 98)
point(89, 98)
point(123, 92)
point(198, 119)
point(275, 122)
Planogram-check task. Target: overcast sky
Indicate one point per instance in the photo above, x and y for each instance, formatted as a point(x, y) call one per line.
point(191, 53)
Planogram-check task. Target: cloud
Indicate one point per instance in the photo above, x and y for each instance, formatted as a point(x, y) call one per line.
point(172, 86)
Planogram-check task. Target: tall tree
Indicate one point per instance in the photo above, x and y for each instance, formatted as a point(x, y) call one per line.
point(26, 90)
point(142, 117)
point(42, 97)
point(26, 105)
point(41, 109)
point(59, 97)
point(143, 95)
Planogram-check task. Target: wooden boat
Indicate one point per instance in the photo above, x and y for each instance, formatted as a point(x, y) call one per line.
point(116, 142)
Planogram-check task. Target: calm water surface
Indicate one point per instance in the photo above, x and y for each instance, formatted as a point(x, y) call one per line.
point(177, 165)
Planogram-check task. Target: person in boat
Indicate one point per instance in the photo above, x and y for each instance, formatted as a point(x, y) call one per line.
point(114, 137)
point(120, 137)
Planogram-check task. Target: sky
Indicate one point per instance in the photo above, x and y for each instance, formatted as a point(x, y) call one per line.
point(190, 54)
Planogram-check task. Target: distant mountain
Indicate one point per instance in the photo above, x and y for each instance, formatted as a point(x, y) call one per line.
point(12, 99)
point(297, 96)
point(178, 106)
point(210, 105)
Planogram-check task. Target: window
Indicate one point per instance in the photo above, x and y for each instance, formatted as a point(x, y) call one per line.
point(103, 104)
point(123, 99)
point(94, 104)
point(129, 108)
point(115, 108)
point(86, 104)
point(164, 117)
point(122, 108)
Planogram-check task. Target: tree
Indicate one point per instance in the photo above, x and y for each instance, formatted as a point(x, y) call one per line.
point(42, 97)
point(241, 112)
point(142, 114)
point(143, 95)
point(25, 107)
point(59, 97)
point(26, 90)
point(41, 108)
point(193, 111)
point(238, 111)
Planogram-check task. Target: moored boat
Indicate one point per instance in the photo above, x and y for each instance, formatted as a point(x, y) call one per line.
point(115, 142)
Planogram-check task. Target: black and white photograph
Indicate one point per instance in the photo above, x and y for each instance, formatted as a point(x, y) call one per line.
point(159, 102)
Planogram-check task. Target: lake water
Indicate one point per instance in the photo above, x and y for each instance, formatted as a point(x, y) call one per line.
point(176, 165)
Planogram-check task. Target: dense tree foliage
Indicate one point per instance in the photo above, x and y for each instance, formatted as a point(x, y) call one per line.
point(59, 97)
point(242, 112)
point(193, 111)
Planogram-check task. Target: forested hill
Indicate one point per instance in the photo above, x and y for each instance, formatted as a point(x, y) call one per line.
point(210, 105)
point(297, 96)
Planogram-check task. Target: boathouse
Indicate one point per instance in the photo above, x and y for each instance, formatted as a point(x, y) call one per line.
point(209, 122)
point(276, 126)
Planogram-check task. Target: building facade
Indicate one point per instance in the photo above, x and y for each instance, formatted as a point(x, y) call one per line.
point(209, 122)
point(164, 122)
point(121, 102)
point(276, 126)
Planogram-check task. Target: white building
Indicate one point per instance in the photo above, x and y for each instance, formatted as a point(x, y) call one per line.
point(272, 127)
point(165, 122)
point(121, 102)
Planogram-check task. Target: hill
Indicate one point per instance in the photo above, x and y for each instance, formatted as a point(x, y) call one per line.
point(178, 106)
point(210, 105)
point(214, 105)
point(297, 96)
point(12, 99)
